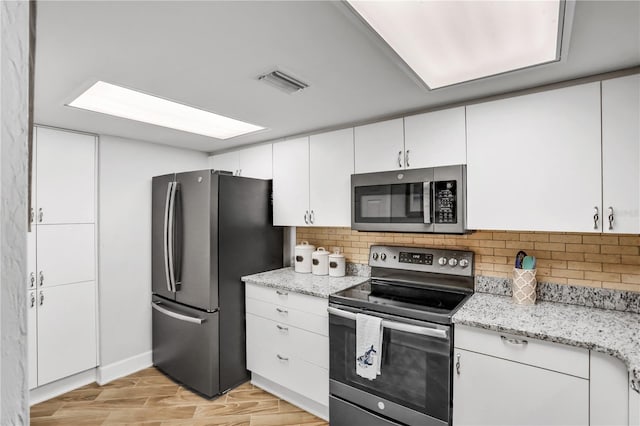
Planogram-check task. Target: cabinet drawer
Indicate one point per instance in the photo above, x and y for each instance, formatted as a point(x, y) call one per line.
point(302, 302)
point(302, 344)
point(552, 356)
point(290, 316)
point(283, 368)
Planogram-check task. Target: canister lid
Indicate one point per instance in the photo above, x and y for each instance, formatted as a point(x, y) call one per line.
point(304, 245)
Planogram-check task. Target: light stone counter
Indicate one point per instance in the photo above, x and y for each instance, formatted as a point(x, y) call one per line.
point(313, 285)
point(611, 332)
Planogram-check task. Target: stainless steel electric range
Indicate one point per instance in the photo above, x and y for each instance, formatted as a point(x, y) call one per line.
point(415, 291)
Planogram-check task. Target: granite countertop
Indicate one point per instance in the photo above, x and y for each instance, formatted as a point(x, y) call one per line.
point(313, 285)
point(611, 332)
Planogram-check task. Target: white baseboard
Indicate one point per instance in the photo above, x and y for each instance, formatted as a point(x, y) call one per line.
point(108, 373)
point(288, 395)
point(53, 389)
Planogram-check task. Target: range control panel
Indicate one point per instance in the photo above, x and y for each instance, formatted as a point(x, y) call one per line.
point(452, 262)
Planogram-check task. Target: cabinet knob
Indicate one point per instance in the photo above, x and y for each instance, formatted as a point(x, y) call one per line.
point(400, 159)
point(32, 279)
point(458, 364)
point(40, 215)
point(596, 217)
point(312, 217)
point(41, 298)
point(41, 278)
point(306, 217)
point(33, 300)
point(611, 218)
point(32, 215)
point(406, 158)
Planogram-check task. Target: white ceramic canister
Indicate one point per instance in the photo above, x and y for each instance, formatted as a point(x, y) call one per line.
point(320, 262)
point(302, 261)
point(337, 264)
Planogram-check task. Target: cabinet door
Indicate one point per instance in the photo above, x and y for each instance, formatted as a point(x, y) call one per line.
point(330, 170)
point(66, 254)
point(435, 139)
point(291, 182)
point(492, 391)
point(621, 154)
point(608, 391)
point(66, 177)
point(31, 258)
point(228, 161)
point(533, 162)
point(634, 408)
point(66, 331)
point(256, 162)
point(379, 146)
point(32, 339)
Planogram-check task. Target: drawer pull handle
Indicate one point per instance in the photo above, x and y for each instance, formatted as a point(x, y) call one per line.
point(514, 341)
point(281, 328)
point(281, 358)
point(458, 364)
point(282, 293)
point(282, 311)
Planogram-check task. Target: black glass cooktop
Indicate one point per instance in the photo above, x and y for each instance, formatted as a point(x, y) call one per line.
point(418, 302)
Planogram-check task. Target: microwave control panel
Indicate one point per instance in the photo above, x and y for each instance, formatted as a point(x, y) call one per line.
point(445, 197)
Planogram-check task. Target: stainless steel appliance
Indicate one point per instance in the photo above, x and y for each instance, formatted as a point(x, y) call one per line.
point(422, 200)
point(209, 228)
point(415, 291)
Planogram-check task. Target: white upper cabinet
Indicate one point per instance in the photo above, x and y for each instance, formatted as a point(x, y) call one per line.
point(291, 182)
point(228, 161)
point(435, 139)
point(330, 170)
point(66, 181)
point(379, 146)
point(312, 180)
point(254, 162)
point(621, 154)
point(533, 162)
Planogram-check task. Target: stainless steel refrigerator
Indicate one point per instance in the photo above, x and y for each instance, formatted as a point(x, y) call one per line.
point(209, 228)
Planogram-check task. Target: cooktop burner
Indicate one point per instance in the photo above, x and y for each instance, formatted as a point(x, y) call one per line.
point(403, 285)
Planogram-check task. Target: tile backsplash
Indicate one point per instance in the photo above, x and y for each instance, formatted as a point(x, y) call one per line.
point(594, 260)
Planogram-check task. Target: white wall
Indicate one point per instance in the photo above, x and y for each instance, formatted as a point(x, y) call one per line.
point(14, 114)
point(125, 171)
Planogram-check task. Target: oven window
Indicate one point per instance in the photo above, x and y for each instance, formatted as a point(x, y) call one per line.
point(415, 369)
point(398, 203)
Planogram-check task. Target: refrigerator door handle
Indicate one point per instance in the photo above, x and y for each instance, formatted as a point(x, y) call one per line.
point(166, 236)
point(176, 315)
point(171, 236)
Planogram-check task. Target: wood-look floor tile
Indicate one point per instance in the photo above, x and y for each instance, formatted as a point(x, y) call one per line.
point(249, 395)
point(138, 391)
point(148, 398)
point(237, 408)
point(47, 408)
point(149, 414)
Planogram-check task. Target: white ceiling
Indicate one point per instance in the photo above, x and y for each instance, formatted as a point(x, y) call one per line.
point(208, 54)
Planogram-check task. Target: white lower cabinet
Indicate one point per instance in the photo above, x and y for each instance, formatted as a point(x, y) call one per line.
point(495, 383)
point(609, 391)
point(66, 332)
point(287, 341)
point(634, 408)
point(32, 323)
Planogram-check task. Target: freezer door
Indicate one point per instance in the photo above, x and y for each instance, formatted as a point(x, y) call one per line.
point(160, 277)
point(196, 239)
point(185, 345)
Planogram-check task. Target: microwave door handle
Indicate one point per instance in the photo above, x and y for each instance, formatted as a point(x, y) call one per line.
point(426, 201)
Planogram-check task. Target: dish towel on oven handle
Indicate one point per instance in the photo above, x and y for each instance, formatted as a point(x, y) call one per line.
point(368, 346)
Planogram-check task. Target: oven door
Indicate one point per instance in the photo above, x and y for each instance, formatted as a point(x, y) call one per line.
point(414, 386)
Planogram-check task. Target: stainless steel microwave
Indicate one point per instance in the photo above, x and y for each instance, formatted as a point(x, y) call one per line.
point(421, 200)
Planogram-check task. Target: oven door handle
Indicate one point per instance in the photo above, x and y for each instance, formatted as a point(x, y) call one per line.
point(393, 325)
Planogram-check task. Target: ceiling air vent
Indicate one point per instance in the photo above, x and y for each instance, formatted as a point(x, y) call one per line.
point(284, 82)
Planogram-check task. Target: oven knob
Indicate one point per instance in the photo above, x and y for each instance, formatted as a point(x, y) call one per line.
point(464, 263)
point(442, 261)
point(453, 262)
point(375, 256)
point(383, 256)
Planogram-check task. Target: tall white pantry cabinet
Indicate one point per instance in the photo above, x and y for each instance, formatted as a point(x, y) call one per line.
point(61, 246)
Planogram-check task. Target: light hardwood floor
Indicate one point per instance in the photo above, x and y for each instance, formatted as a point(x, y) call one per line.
point(150, 398)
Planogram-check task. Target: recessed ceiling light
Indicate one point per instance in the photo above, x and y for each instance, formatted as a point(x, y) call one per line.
point(126, 103)
point(449, 42)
